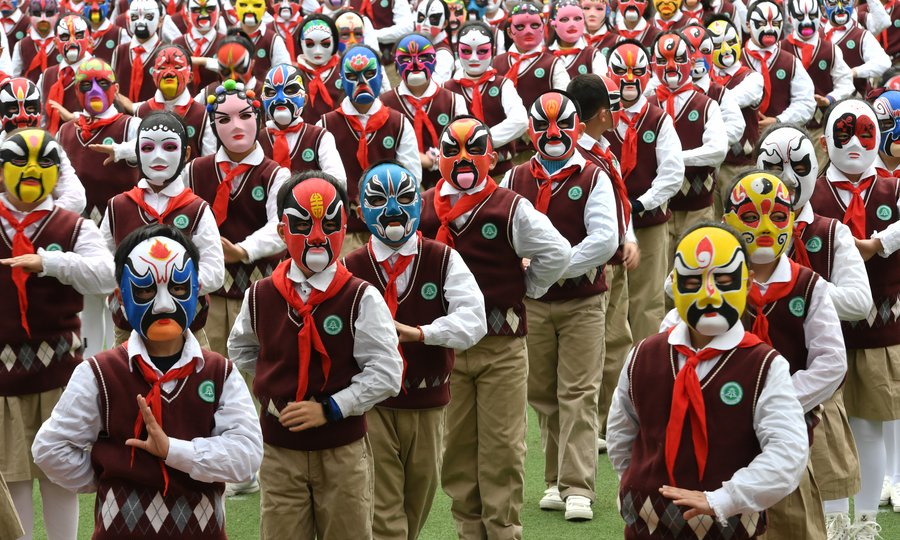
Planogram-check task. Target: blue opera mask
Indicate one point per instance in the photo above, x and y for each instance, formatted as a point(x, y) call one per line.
point(415, 59)
point(159, 289)
point(96, 11)
point(283, 94)
point(8, 7)
point(887, 108)
point(391, 204)
point(361, 75)
point(838, 11)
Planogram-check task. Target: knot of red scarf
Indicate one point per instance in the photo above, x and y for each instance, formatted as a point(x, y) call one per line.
point(667, 95)
point(559, 53)
point(56, 93)
point(831, 32)
point(40, 59)
point(775, 292)
point(175, 203)
point(137, 74)
point(22, 246)
point(223, 190)
point(629, 146)
point(281, 152)
point(807, 49)
point(763, 60)
point(477, 103)
point(885, 172)
point(198, 51)
point(89, 124)
point(447, 212)
point(179, 110)
point(316, 83)
point(376, 121)
point(545, 191)
point(513, 73)
point(421, 119)
point(855, 216)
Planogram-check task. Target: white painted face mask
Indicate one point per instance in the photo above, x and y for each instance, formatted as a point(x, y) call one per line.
point(852, 136)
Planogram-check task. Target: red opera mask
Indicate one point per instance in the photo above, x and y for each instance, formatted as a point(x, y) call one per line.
point(703, 49)
point(171, 71)
point(315, 223)
point(466, 152)
point(73, 38)
point(235, 62)
point(672, 57)
point(629, 68)
point(553, 125)
point(95, 86)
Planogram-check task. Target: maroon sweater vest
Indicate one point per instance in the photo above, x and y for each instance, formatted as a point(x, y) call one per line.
point(265, 45)
point(733, 442)
point(18, 32)
point(295, 37)
point(312, 112)
point(382, 145)
point(649, 36)
point(196, 120)
point(532, 82)
point(851, 46)
point(207, 77)
point(715, 92)
point(426, 381)
point(781, 71)
point(105, 46)
point(46, 360)
point(697, 189)
point(304, 156)
point(441, 111)
point(583, 62)
point(617, 257)
point(122, 65)
point(101, 183)
point(382, 12)
point(277, 368)
point(485, 244)
point(70, 96)
point(891, 34)
point(881, 210)
point(818, 237)
point(566, 211)
point(611, 38)
point(180, 23)
point(492, 106)
point(125, 216)
point(130, 501)
point(29, 50)
point(819, 71)
point(741, 152)
point(639, 179)
point(246, 214)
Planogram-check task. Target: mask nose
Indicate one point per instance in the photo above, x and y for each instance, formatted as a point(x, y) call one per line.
point(711, 294)
point(163, 302)
point(393, 207)
point(317, 235)
point(553, 130)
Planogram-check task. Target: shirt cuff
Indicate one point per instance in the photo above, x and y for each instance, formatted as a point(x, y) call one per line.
point(49, 261)
point(212, 64)
point(250, 255)
point(716, 506)
point(181, 455)
point(889, 242)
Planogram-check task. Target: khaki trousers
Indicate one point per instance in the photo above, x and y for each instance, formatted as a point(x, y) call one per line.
point(618, 340)
point(799, 515)
point(833, 455)
point(484, 446)
point(20, 419)
point(406, 445)
point(727, 172)
point(565, 368)
point(10, 526)
point(222, 314)
point(324, 495)
point(681, 221)
point(646, 293)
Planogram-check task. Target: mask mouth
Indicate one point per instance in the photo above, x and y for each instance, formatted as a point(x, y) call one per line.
point(141, 31)
point(362, 91)
point(317, 257)
point(840, 18)
point(630, 92)
point(43, 27)
point(765, 241)
point(73, 53)
point(464, 174)
point(807, 30)
point(394, 227)
point(672, 78)
point(282, 114)
point(712, 320)
point(30, 182)
point(204, 21)
point(554, 147)
point(416, 78)
point(250, 19)
point(632, 14)
point(285, 13)
point(767, 39)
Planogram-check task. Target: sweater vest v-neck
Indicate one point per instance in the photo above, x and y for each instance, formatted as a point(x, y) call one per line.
point(819, 239)
point(295, 37)
point(568, 201)
point(639, 180)
point(781, 73)
point(882, 327)
point(278, 365)
point(617, 257)
point(891, 33)
point(819, 71)
point(492, 107)
point(207, 76)
point(609, 40)
point(18, 32)
point(70, 94)
point(46, 359)
point(246, 215)
point(485, 242)
point(29, 49)
point(122, 64)
point(730, 393)
point(741, 152)
point(305, 155)
point(105, 47)
point(314, 110)
point(130, 501)
point(426, 382)
point(125, 216)
point(583, 63)
point(534, 80)
point(697, 188)
point(196, 120)
point(852, 48)
point(265, 48)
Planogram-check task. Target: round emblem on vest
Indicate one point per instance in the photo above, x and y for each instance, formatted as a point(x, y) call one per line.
point(258, 193)
point(207, 391)
point(649, 137)
point(604, 50)
point(308, 155)
point(181, 221)
point(110, 44)
point(429, 291)
point(575, 193)
point(851, 44)
point(884, 212)
point(384, 3)
point(896, 25)
point(494, 92)
point(489, 231)
point(59, 58)
point(53, 247)
point(781, 74)
point(388, 142)
point(108, 140)
point(339, 84)
point(693, 116)
point(539, 73)
point(443, 119)
point(332, 325)
point(814, 244)
point(191, 131)
point(797, 306)
point(731, 393)
point(20, 34)
point(261, 53)
point(582, 69)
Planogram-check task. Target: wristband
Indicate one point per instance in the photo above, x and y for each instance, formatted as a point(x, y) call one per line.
point(421, 333)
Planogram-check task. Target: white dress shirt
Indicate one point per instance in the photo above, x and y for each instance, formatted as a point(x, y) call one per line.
point(714, 147)
point(404, 23)
point(600, 221)
point(329, 158)
point(208, 142)
point(14, 19)
point(890, 237)
point(669, 163)
point(730, 110)
point(778, 421)
point(516, 121)
point(232, 452)
point(192, 38)
point(465, 323)
point(279, 49)
point(641, 27)
point(877, 19)
point(407, 149)
point(170, 31)
point(149, 45)
point(125, 149)
point(206, 237)
point(841, 77)
point(559, 77)
point(598, 62)
point(749, 91)
point(657, 20)
point(875, 60)
point(17, 66)
point(534, 237)
point(849, 286)
point(88, 267)
point(123, 36)
point(460, 108)
point(444, 61)
point(375, 344)
point(587, 142)
point(802, 104)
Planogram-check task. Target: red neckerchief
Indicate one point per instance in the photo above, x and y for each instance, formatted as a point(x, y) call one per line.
point(446, 212)
point(179, 110)
point(664, 94)
point(616, 178)
point(177, 202)
point(594, 40)
point(288, 30)
point(545, 189)
point(22, 246)
point(308, 336)
point(629, 145)
point(775, 292)
point(885, 172)
point(855, 216)
point(366, 9)
point(687, 396)
point(801, 257)
point(513, 73)
point(421, 119)
point(833, 30)
point(696, 15)
point(559, 53)
point(56, 93)
point(477, 103)
point(281, 153)
point(98, 35)
point(171, 8)
point(198, 51)
point(631, 34)
point(763, 60)
point(883, 36)
point(663, 25)
point(223, 190)
point(316, 84)
point(725, 79)
point(498, 21)
point(137, 74)
point(89, 124)
point(376, 121)
point(807, 49)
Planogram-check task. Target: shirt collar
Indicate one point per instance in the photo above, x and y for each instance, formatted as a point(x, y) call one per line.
point(448, 189)
point(587, 142)
point(348, 108)
point(103, 26)
point(270, 124)
point(37, 37)
point(430, 91)
point(752, 46)
point(579, 45)
point(255, 157)
point(725, 342)
point(384, 252)
point(108, 113)
point(806, 214)
point(636, 108)
point(171, 190)
point(703, 83)
point(190, 351)
point(46, 204)
point(730, 70)
point(515, 48)
point(782, 273)
point(319, 281)
point(148, 45)
point(64, 64)
point(811, 41)
point(183, 99)
point(834, 175)
point(639, 27)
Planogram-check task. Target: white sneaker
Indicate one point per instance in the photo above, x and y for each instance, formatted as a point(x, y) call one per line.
point(865, 527)
point(838, 526)
point(895, 497)
point(601, 445)
point(242, 488)
point(885, 492)
point(551, 500)
point(578, 508)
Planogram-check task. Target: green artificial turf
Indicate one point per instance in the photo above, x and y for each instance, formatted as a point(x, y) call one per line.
point(243, 511)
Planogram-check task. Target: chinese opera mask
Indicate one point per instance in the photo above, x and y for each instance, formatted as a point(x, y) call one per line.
point(804, 17)
point(350, 30)
point(162, 144)
point(31, 160)
point(234, 116)
point(391, 204)
point(95, 86)
point(838, 12)
point(44, 14)
point(283, 94)
point(235, 57)
point(467, 153)
point(629, 68)
point(703, 49)
point(250, 12)
point(887, 109)
point(457, 16)
point(759, 207)
point(20, 104)
point(765, 22)
point(8, 7)
point(95, 11)
point(73, 38)
point(318, 41)
point(286, 10)
point(315, 223)
point(667, 8)
point(432, 17)
point(415, 59)
point(144, 18)
point(171, 71)
point(553, 125)
point(632, 10)
point(569, 21)
point(852, 136)
point(526, 27)
point(672, 60)
point(475, 48)
point(204, 14)
point(726, 43)
point(361, 75)
point(789, 152)
point(596, 12)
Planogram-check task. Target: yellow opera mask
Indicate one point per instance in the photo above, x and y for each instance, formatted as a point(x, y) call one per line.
point(250, 12)
point(667, 8)
point(31, 161)
point(759, 207)
point(726, 43)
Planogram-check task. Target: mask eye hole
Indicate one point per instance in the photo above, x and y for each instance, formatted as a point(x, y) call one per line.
point(773, 166)
point(749, 217)
point(144, 293)
point(541, 125)
point(779, 217)
point(691, 284)
point(724, 280)
point(406, 199)
point(377, 201)
point(331, 225)
point(180, 291)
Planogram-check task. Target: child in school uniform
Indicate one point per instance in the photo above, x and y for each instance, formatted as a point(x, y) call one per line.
point(318, 63)
point(49, 259)
point(202, 39)
point(669, 15)
point(235, 59)
point(437, 307)
point(599, 28)
point(862, 50)
point(134, 60)
point(162, 475)
point(433, 20)
point(36, 51)
point(58, 88)
point(631, 22)
point(570, 42)
point(344, 359)
point(106, 35)
point(270, 48)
